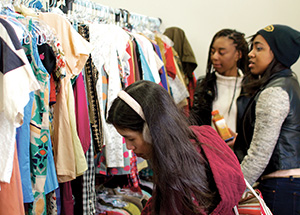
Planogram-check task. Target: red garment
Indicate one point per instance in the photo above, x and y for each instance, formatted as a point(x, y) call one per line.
point(170, 64)
point(225, 168)
point(52, 91)
point(82, 114)
point(131, 77)
point(191, 89)
point(136, 62)
point(183, 48)
point(134, 176)
point(187, 58)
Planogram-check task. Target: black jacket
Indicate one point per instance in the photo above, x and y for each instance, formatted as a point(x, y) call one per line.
point(200, 113)
point(286, 154)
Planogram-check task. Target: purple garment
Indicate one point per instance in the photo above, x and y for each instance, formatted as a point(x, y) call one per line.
point(58, 201)
point(163, 76)
point(67, 202)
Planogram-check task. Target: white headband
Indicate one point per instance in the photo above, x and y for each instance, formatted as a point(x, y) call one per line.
point(132, 103)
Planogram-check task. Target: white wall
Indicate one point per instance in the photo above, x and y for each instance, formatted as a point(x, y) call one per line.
point(201, 19)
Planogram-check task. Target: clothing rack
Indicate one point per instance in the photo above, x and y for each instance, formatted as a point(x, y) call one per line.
point(117, 16)
point(85, 14)
point(87, 10)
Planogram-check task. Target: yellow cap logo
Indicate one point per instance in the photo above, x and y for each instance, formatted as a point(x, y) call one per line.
point(269, 28)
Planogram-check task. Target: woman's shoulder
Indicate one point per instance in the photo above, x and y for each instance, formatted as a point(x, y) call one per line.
point(204, 130)
point(207, 79)
point(273, 99)
point(212, 143)
point(208, 136)
point(224, 165)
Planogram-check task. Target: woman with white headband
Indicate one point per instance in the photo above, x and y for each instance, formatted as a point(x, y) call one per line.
point(195, 172)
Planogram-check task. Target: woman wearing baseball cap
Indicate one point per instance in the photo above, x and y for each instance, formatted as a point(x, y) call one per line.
point(269, 146)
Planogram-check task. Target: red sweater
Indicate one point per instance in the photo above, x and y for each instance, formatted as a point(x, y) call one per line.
point(225, 168)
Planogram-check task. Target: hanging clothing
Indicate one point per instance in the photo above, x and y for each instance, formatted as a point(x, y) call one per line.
point(109, 42)
point(88, 185)
point(68, 153)
point(91, 78)
point(162, 73)
point(23, 147)
point(81, 110)
point(51, 203)
point(183, 48)
point(129, 50)
point(178, 87)
point(80, 161)
point(101, 163)
point(47, 60)
point(146, 71)
point(39, 129)
point(149, 62)
point(51, 179)
point(137, 61)
point(11, 198)
point(15, 71)
point(112, 56)
point(170, 63)
point(187, 57)
point(67, 206)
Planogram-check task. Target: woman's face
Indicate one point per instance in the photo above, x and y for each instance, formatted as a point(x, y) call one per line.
point(260, 56)
point(224, 56)
point(135, 142)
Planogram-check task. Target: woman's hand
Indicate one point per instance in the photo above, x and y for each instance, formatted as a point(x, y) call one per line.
point(231, 142)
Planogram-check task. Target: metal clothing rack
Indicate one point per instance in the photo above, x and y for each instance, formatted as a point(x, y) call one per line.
point(115, 15)
point(94, 10)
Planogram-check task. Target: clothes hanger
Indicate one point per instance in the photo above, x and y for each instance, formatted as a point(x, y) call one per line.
point(52, 5)
point(99, 14)
point(6, 4)
point(126, 22)
point(117, 18)
point(88, 12)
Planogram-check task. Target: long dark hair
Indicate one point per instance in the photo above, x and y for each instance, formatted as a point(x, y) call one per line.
point(252, 82)
point(241, 45)
point(180, 172)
